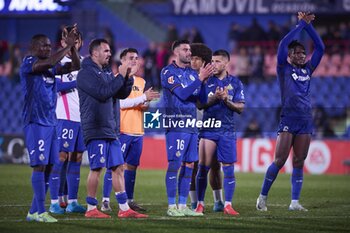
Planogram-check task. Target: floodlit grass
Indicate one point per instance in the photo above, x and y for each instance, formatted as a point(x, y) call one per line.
point(326, 197)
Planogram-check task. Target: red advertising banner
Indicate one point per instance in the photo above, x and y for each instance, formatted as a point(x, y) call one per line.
point(255, 155)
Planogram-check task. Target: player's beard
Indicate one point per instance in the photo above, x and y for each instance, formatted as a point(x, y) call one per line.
point(185, 60)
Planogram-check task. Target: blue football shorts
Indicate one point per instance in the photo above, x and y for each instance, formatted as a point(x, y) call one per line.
point(131, 148)
point(42, 144)
point(71, 136)
point(181, 146)
point(296, 125)
point(104, 153)
point(226, 146)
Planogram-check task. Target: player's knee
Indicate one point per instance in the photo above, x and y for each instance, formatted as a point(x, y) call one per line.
point(39, 168)
point(203, 171)
point(189, 165)
point(130, 167)
point(118, 169)
point(298, 162)
point(174, 166)
point(280, 162)
point(75, 157)
point(63, 156)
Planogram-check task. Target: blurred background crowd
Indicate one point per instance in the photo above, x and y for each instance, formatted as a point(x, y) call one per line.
point(250, 33)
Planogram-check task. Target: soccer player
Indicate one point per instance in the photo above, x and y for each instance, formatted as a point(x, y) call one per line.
point(37, 73)
point(222, 97)
point(131, 128)
point(296, 126)
point(201, 55)
point(181, 86)
point(71, 142)
point(98, 92)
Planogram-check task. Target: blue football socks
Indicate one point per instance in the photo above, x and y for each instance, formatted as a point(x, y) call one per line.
point(73, 179)
point(297, 182)
point(229, 182)
point(202, 181)
point(55, 180)
point(129, 177)
point(270, 177)
point(38, 184)
point(185, 177)
point(107, 183)
point(171, 181)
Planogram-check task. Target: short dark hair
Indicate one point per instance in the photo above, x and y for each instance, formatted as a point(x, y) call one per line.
point(96, 43)
point(177, 43)
point(37, 37)
point(202, 51)
point(222, 52)
point(128, 50)
point(292, 45)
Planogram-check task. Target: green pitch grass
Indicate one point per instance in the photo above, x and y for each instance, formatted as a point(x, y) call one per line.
point(326, 197)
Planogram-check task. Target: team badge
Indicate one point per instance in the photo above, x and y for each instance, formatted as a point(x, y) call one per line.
point(178, 153)
point(102, 160)
point(192, 78)
point(229, 87)
point(66, 144)
point(171, 80)
point(303, 70)
point(285, 129)
point(41, 157)
point(70, 76)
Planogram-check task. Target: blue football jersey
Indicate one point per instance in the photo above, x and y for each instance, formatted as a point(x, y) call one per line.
point(219, 111)
point(294, 84)
point(40, 95)
point(176, 109)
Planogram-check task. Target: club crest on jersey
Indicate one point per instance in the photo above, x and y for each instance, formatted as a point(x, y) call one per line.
point(303, 70)
point(41, 157)
point(70, 76)
point(285, 129)
point(171, 80)
point(66, 144)
point(192, 77)
point(178, 153)
point(102, 159)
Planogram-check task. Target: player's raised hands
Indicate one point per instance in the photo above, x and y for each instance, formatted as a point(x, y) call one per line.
point(306, 16)
point(205, 72)
point(220, 93)
point(125, 71)
point(70, 37)
point(151, 95)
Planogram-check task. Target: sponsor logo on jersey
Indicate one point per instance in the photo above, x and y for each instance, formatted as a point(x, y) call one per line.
point(300, 78)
